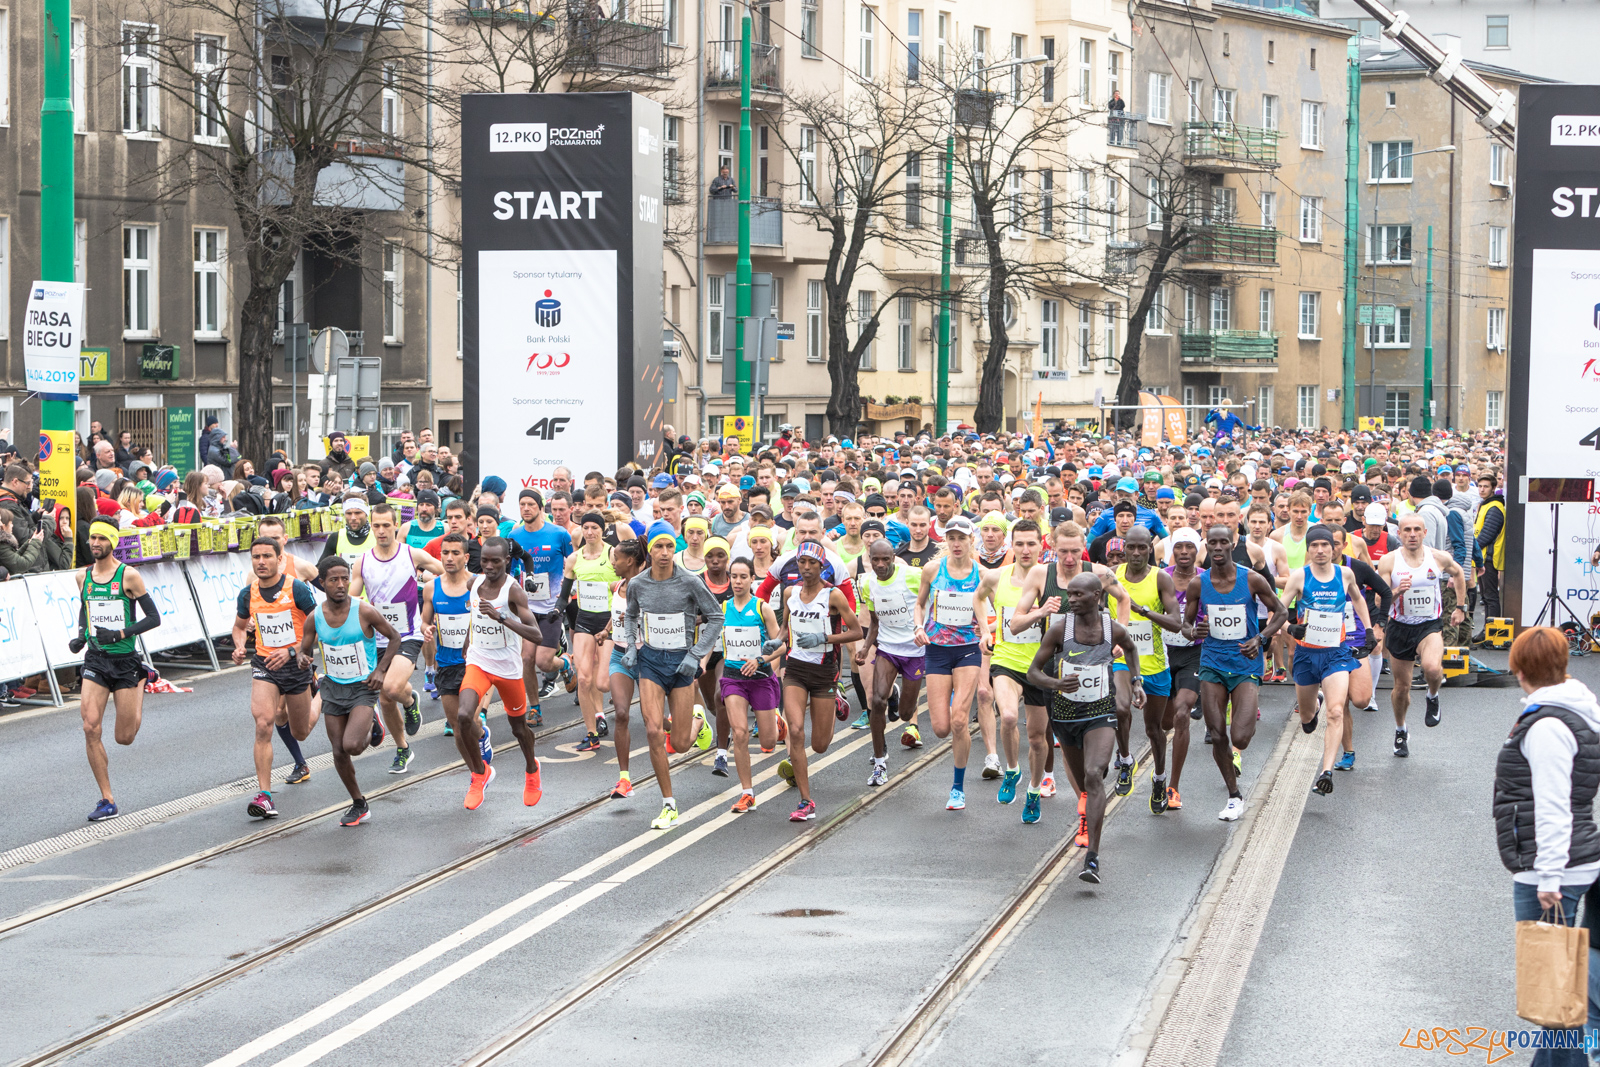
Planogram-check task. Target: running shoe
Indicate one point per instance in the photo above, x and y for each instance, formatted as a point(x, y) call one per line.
point(1174, 801)
point(569, 677)
point(1008, 787)
point(106, 810)
point(402, 760)
point(485, 743)
point(1323, 784)
point(957, 801)
point(449, 731)
point(862, 722)
point(413, 715)
point(1430, 717)
point(1031, 808)
point(1311, 727)
point(786, 771)
point(1345, 762)
point(623, 788)
point(804, 813)
point(589, 743)
point(1209, 739)
point(841, 708)
point(719, 766)
point(783, 730)
point(260, 807)
point(1158, 797)
point(532, 792)
point(880, 774)
point(1238, 762)
point(356, 814)
point(1125, 775)
point(991, 767)
point(601, 727)
point(1082, 838)
point(535, 716)
point(476, 786)
point(378, 733)
point(1047, 788)
point(705, 736)
point(1234, 809)
point(667, 820)
point(429, 684)
point(1091, 869)
point(300, 775)
point(746, 802)
point(548, 690)
point(1371, 707)
point(911, 737)
point(894, 704)
point(1401, 748)
point(1195, 712)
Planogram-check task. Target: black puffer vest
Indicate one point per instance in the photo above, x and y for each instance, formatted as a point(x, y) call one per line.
point(1513, 793)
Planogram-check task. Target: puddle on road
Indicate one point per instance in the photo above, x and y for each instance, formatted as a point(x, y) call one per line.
point(804, 913)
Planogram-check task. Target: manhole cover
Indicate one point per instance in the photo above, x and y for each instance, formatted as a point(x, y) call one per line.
point(804, 913)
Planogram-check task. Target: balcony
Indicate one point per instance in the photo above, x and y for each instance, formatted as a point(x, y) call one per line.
point(1122, 257)
point(1237, 349)
point(1228, 147)
point(722, 68)
point(1220, 246)
point(367, 178)
point(346, 14)
point(975, 107)
point(604, 46)
point(766, 222)
point(1122, 130)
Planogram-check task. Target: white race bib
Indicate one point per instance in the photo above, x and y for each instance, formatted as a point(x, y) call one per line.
point(741, 643)
point(538, 586)
point(593, 596)
point(665, 631)
point(1420, 603)
point(1143, 632)
point(953, 607)
point(452, 630)
point(1031, 636)
point(1093, 682)
point(1324, 629)
point(486, 633)
point(807, 623)
point(1226, 621)
point(274, 629)
point(111, 615)
point(346, 661)
point(893, 605)
point(619, 611)
point(394, 615)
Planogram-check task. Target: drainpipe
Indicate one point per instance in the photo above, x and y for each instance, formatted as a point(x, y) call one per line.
point(699, 210)
point(1352, 227)
point(427, 292)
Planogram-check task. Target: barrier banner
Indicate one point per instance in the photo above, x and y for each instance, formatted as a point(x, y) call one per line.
point(21, 650)
point(54, 595)
point(217, 580)
point(180, 618)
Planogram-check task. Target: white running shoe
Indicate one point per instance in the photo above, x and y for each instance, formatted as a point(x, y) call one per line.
point(1234, 809)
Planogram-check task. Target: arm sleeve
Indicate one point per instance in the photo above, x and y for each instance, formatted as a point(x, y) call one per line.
point(244, 603)
point(329, 548)
point(630, 617)
point(304, 599)
point(152, 616)
point(1550, 749)
point(768, 584)
point(1367, 578)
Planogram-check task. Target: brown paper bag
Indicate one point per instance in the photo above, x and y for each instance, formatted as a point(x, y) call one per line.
point(1552, 974)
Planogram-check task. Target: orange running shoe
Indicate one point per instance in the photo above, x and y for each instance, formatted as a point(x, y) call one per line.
point(476, 787)
point(766, 751)
point(783, 731)
point(1082, 839)
point(745, 803)
point(623, 788)
point(1174, 801)
point(531, 792)
point(1047, 787)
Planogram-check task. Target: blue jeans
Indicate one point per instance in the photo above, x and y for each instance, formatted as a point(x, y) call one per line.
point(1525, 902)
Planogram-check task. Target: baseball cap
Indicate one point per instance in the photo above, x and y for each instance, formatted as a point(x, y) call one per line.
point(661, 481)
point(1166, 493)
point(791, 490)
point(1152, 476)
point(727, 492)
point(1375, 515)
point(1127, 485)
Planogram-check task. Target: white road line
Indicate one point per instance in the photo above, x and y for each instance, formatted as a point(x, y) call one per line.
point(543, 920)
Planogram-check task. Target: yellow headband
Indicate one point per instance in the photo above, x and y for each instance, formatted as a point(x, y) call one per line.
point(695, 522)
point(106, 530)
point(715, 543)
point(759, 531)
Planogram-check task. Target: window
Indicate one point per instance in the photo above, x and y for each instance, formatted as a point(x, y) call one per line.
point(139, 100)
point(913, 46)
point(869, 20)
point(1397, 335)
point(1085, 177)
point(1306, 413)
point(1113, 207)
point(1190, 414)
point(390, 115)
point(1113, 73)
point(1264, 406)
point(1497, 31)
point(1049, 334)
point(1194, 99)
point(728, 139)
point(1047, 75)
point(955, 341)
point(1264, 311)
point(1019, 45)
point(1153, 213)
point(672, 23)
point(396, 420)
point(1047, 202)
point(210, 89)
point(1216, 396)
point(5, 280)
point(980, 55)
point(906, 353)
point(1269, 211)
point(1493, 404)
point(1085, 335)
point(1014, 202)
point(815, 349)
point(1160, 100)
point(809, 21)
point(1222, 105)
point(1309, 308)
point(209, 291)
point(808, 164)
point(866, 301)
point(1310, 125)
point(1155, 320)
point(944, 37)
point(1227, 44)
point(1086, 70)
point(1224, 205)
point(5, 67)
point(138, 281)
point(914, 190)
point(1112, 312)
point(1388, 99)
point(393, 280)
point(283, 428)
point(1495, 335)
point(1311, 218)
point(1389, 244)
point(714, 315)
point(288, 307)
point(461, 315)
point(672, 159)
point(284, 105)
point(1497, 246)
point(1396, 408)
point(1497, 165)
point(80, 76)
point(1221, 310)
point(1269, 112)
point(1190, 321)
point(1389, 161)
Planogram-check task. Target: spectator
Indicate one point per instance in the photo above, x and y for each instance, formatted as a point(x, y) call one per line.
point(221, 453)
point(14, 494)
point(87, 513)
point(188, 509)
point(723, 187)
point(215, 499)
point(1490, 526)
point(1544, 786)
point(23, 556)
point(1432, 511)
point(208, 436)
point(339, 464)
point(124, 449)
point(105, 456)
point(243, 470)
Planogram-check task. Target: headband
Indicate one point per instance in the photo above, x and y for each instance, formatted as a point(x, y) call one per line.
point(811, 550)
point(106, 530)
point(715, 544)
point(695, 522)
point(759, 531)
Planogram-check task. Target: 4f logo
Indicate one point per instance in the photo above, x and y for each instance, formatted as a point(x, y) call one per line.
point(546, 429)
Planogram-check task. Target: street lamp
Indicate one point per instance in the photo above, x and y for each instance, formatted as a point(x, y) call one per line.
point(941, 385)
point(1372, 333)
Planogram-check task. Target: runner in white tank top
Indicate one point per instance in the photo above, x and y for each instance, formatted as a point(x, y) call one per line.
point(1416, 573)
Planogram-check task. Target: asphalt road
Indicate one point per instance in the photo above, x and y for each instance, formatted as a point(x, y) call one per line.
point(751, 936)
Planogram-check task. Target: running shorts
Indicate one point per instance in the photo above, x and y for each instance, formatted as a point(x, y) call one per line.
point(1402, 638)
point(762, 694)
point(1229, 680)
point(1032, 696)
point(290, 680)
point(513, 694)
point(113, 672)
point(1312, 665)
point(341, 698)
point(815, 679)
point(447, 678)
point(1184, 664)
point(945, 659)
point(1071, 732)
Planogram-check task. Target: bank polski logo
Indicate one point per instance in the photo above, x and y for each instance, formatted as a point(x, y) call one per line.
point(547, 312)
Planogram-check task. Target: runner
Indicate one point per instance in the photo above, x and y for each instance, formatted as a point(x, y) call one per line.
point(1293, 539)
point(1230, 659)
point(108, 590)
point(952, 638)
point(747, 682)
point(1363, 682)
point(666, 607)
point(352, 674)
point(1074, 662)
point(991, 553)
point(420, 532)
point(1413, 571)
point(589, 574)
point(278, 605)
point(818, 618)
point(1155, 602)
point(888, 594)
point(446, 620)
point(1014, 651)
point(386, 577)
point(628, 558)
point(1183, 662)
point(547, 546)
point(272, 526)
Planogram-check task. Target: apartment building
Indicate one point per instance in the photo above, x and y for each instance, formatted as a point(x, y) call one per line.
point(1244, 111)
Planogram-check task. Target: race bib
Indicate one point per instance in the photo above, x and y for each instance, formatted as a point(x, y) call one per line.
point(111, 615)
point(1093, 682)
point(274, 629)
point(452, 630)
point(1031, 636)
point(893, 606)
point(665, 631)
point(741, 643)
point(1324, 629)
point(538, 586)
point(593, 596)
point(953, 607)
point(619, 611)
point(1176, 639)
point(807, 623)
point(1349, 616)
point(346, 661)
point(1226, 621)
point(1143, 632)
point(486, 633)
point(395, 615)
point(1421, 603)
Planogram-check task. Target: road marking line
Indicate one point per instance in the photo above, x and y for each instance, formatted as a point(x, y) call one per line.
point(77, 698)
